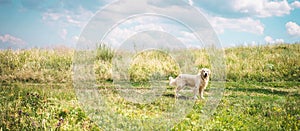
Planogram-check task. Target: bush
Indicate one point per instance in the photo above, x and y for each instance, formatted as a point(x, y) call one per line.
point(152, 64)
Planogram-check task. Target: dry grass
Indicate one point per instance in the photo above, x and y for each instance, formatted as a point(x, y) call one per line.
point(261, 63)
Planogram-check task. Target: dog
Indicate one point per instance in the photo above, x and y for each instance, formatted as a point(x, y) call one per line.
point(198, 82)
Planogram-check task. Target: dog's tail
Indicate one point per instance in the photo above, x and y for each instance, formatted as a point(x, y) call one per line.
point(172, 81)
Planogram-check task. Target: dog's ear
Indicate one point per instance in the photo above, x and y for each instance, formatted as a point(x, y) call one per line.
point(200, 71)
point(203, 70)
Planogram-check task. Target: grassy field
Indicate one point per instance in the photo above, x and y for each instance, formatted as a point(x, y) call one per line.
point(262, 91)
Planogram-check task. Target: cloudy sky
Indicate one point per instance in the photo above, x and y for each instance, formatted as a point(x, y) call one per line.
point(51, 23)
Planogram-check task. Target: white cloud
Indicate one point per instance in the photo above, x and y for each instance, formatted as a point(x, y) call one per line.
point(63, 33)
point(296, 4)
point(148, 23)
point(279, 41)
point(75, 38)
point(67, 20)
point(131, 27)
point(258, 8)
point(174, 10)
point(190, 2)
point(252, 43)
point(262, 8)
point(7, 38)
point(270, 40)
point(189, 38)
point(293, 29)
point(76, 18)
point(238, 24)
point(51, 16)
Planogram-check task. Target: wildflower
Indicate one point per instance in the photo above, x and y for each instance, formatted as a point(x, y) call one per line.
point(20, 112)
point(61, 120)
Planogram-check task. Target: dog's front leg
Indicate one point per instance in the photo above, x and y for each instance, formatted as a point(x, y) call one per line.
point(201, 93)
point(195, 90)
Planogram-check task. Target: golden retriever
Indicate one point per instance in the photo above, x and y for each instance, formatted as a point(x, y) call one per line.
point(197, 82)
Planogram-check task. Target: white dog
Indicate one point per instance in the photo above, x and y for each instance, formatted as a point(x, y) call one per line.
point(197, 82)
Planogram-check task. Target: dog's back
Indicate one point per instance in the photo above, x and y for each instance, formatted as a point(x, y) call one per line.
point(188, 80)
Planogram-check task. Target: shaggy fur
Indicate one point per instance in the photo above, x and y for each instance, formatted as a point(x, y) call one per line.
point(197, 82)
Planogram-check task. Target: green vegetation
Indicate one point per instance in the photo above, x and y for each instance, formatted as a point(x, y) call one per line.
point(268, 106)
point(252, 106)
point(147, 64)
point(264, 63)
point(36, 65)
point(25, 106)
point(262, 90)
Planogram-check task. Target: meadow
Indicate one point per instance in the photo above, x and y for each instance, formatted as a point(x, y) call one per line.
point(262, 89)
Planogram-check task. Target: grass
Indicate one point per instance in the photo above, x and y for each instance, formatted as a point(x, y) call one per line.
point(252, 106)
point(261, 63)
point(149, 63)
point(261, 93)
point(36, 65)
point(264, 63)
point(28, 106)
point(268, 106)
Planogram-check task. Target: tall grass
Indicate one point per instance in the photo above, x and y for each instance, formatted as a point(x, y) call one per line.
point(36, 65)
point(264, 63)
point(149, 64)
point(103, 63)
point(260, 63)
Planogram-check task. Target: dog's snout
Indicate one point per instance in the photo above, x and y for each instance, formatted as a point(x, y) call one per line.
point(205, 74)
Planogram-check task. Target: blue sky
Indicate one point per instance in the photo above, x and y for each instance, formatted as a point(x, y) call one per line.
point(52, 23)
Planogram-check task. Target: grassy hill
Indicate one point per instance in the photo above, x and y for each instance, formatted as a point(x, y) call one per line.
point(264, 63)
point(260, 63)
point(261, 92)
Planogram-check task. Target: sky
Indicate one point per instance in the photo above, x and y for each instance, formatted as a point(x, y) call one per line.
point(57, 23)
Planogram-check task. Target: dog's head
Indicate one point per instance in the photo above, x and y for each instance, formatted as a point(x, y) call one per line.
point(205, 72)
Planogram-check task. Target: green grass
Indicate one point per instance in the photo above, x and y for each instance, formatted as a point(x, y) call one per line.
point(262, 91)
point(36, 65)
point(264, 63)
point(267, 63)
point(253, 106)
point(268, 106)
point(149, 64)
point(28, 106)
